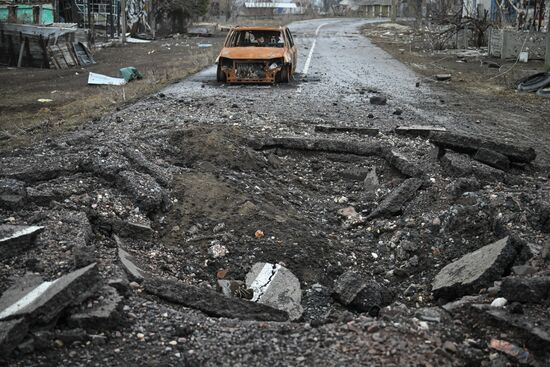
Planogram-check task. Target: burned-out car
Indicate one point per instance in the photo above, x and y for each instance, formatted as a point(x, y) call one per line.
point(257, 55)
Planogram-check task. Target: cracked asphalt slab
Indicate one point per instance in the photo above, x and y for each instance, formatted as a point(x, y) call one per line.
point(205, 165)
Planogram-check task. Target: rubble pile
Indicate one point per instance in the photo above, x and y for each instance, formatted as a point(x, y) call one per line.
point(324, 243)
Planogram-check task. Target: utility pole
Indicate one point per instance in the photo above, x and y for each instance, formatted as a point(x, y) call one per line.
point(123, 20)
point(394, 5)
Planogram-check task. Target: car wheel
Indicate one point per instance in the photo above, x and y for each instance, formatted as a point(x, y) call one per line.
point(220, 75)
point(534, 82)
point(285, 74)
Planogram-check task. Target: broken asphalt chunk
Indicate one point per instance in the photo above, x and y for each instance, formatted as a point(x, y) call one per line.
point(210, 302)
point(418, 130)
point(347, 286)
point(395, 201)
point(12, 332)
point(43, 302)
point(15, 239)
point(276, 286)
point(399, 161)
point(148, 195)
point(378, 100)
point(105, 314)
point(402, 163)
point(476, 270)
point(461, 165)
point(370, 131)
point(492, 158)
point(41, 167)
point(471, 144)
point(526, 290)
point(353, 290)
point(12, 193)
point(536, 335)
point(134, 273)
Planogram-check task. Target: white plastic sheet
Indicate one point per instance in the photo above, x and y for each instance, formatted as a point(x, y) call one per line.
point(100, 79)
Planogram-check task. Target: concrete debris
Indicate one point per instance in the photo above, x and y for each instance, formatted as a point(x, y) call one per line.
point(15, 239)
point(526, 290)
point(395, 201)
point(43, 302)
point(276, 286)
point(418, 130)
point(471, 144)
point(476, 270)
point(369, 131)
point(210, 302)
point(492, 158)
point(104, 315)
point(217, 250)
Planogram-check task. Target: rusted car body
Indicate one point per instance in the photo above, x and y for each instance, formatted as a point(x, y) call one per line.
point(257, 55)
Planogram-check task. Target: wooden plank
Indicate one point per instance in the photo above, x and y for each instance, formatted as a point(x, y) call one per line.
point(45, 58)
point(35, 30)
point(67, 55)
point(57, 57)
point(28, 53)
point(11, 47)
point(21, 49)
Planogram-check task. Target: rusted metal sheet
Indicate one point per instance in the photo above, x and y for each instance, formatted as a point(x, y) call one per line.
point(257, 55)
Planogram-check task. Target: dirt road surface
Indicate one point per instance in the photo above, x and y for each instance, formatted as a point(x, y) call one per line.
point(204, 180)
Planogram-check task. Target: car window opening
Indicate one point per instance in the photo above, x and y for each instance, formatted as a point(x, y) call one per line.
point(257, 38)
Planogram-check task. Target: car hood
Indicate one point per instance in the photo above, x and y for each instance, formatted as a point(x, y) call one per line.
point(252, 53)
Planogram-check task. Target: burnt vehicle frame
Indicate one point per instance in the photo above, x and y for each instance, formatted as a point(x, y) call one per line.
point(257, 55)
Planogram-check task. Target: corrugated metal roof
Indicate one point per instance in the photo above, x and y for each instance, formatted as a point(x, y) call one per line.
point(270, 5)
point(365, 2)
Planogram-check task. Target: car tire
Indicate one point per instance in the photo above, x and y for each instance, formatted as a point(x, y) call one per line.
point(284, 75)
point(220, 75)
point(534, 82)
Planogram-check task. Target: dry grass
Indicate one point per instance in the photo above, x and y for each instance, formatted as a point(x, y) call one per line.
point(23, 120)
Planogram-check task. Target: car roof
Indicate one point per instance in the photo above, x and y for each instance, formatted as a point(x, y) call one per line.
point(258, 28)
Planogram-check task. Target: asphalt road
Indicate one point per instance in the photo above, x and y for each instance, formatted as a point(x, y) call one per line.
point(344, 70)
